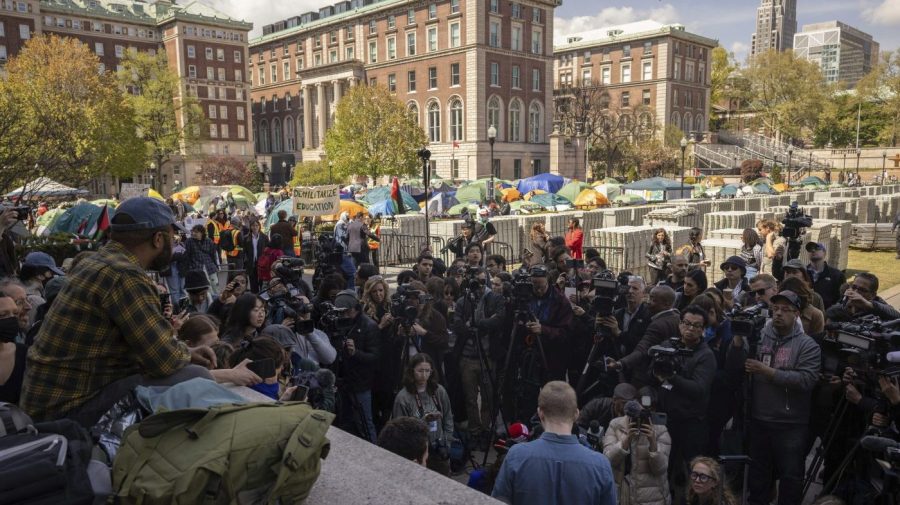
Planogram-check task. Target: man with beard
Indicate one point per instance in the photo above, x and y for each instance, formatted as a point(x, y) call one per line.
point(106, 334)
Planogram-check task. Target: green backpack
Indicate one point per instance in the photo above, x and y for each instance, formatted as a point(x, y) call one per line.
point(227, 454)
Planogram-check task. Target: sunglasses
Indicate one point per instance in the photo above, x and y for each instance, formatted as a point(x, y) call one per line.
point(701, 477)
point(728, 268)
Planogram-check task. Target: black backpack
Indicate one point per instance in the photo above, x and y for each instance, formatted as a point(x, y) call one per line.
point(226, 240)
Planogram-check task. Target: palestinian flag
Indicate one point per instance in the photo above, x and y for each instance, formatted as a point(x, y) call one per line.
point(396, 197)
point(102, 223)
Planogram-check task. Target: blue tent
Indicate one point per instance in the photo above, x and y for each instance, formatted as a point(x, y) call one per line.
point(548, 182)
point(382, 193)
point(384, 207)
point(82, 216)
point(550, 201)
point(287, 206)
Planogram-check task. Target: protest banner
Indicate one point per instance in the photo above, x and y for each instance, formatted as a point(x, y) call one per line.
point(316, 200)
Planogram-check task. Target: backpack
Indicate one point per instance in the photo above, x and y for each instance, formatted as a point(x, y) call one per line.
point(226, 240)
point(256, 453)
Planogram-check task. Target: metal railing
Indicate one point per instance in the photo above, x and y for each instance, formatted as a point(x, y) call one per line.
point(720, 155)
point(768, 148)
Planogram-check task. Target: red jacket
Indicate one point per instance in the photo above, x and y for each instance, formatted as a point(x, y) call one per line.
point(575, 243)
point(264, 265)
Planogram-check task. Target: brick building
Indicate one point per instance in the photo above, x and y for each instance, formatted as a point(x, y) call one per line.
point(656, 71)
point(459, 66)
point(206, 48)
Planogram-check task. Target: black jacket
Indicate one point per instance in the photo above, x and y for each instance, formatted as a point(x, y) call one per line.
point(250, 256)
point(628, 339)
point(358, 370)
point(688, 397)
point(662, 326)
point(828, 285)
point(490, 317)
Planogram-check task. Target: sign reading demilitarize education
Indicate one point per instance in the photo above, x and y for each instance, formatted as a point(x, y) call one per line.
point(317, 200)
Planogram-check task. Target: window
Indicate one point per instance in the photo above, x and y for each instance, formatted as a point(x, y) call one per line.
point(537, 167)
point(454, 6)
point(454, 168)
point(348, 53)
point(289, 137)
point(274, 69)
point(586, 60)
point(286, 70)
point(276, 136)
point(537, 15)
point(392, 48)
point(516, 10)
point(391, 22)
point(495, 6)
point(410, 16)
point(516, 37)
point(517, 169)
point(586, 76)
point(191, 51)
point(535, 79)
point(209, 53)
point(348, 32)
point(626, 51)
point(432, 78)
point(210, 74)
point(373, 27)
point(534, 123)
point(318, 40)
point(648, 48)
point(626, 99)
point(223, 112)
point(689, 71)
point(454, 35)
point(434, 122)
point(412, 111)
point(98, 47)
point(516, 77)
point(317, 59)
point(239, 112)
point(677, 73)
point(515, 121)
point(493, 114)
point(213, 131)
point(626, 73)
point(432, 39)
point(192, 71)
point(410, 43)
point(454, 74)
point(392, 83)
point(494, 40)
point(411, 81)
point(120, 51)
point(220, 54)
point(238, 56)
point(537, 43)
point(432, 11)
point(495, 73)
point(220, 73)
point(645, 97)
point(332, 37)
point(241, 131)
point(373, 51)
point(238, 75)
point(332, 56)
point(456, 120)
point(213, 112)
point(647, 70)
point(299, 63)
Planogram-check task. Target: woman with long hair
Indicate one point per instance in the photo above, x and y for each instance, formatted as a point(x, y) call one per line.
point(812, 318)
point(694, 283)
point(376, 302)
point(693, 250)
point(423, 398)
point(752, 252)
point(708, 484)
point(200, 253)
point(539, 242)
point(247, 317)
point(435, 340)
point(769, 232)
point(575, 241)
point(659, 255)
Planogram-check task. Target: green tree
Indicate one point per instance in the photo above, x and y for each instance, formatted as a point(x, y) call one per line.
point(61, 119)
point(723, 66)
point(169, 121)
point(882, 88)
point(786, 91)
point(227, 170)
point(311, 173)
point(373, 135)
point(837, 122)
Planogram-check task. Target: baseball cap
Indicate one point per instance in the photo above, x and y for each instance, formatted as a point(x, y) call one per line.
point(795, 264)
point(42, 259)
point(789, 297)
point(625, 391)
point(346, 299)
point(812, 246)
point(145, 212)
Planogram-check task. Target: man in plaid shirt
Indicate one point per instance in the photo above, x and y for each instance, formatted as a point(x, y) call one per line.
point(105, 333)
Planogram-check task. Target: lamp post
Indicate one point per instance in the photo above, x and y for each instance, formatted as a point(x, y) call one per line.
point(858, 152)
point(790, 157)
point(809, 173)
point(883, 166)
point(492, 136)
point(683, 144)
point(152, 171)
point(284, 171)
point(425, 155)
point(214, 181)
point(330, 170)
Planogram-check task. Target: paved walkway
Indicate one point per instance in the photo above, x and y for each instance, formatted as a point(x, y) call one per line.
point(892, 296)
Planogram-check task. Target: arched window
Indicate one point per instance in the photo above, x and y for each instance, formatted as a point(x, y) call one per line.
point(686, 122)
point(676, 119)
point(264, 137)
point(290, 140)
point(698, 123)
point(301, 133)
point(494, 115)
point(515, 121)
point(456, 119)
point(276, 136)
point(434, 122)
point(255, 138)
point(535, 120)
point(412, 109)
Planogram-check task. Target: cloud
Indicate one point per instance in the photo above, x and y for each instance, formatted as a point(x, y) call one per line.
point(887, 13)
point(612, 16)
point(740, 50)
point(264, 12)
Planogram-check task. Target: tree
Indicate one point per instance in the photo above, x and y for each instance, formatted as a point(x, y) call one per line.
point(61, 119)
point(786, 91)
point(837, 122)
point(311, 173)
point(751, 170)
point(227, 170)
point(169, 121)
point(373, 135)
point(723, 66)
point(882, 87)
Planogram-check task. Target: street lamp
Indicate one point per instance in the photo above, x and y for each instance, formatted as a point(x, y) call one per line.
point(215, 181)
point(152, 171)
point(492, 136)
point(790, 156)
point(330, 170)
point(425, 155)
point(284, 170)
point(810, 165)
point(684, 144)
point(883, 166)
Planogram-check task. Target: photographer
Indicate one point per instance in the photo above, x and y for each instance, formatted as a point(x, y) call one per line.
point(628, 324)
point(428, 329)
point(480, 311)
point(304, 340)
point(359, 353)
point(782, 380)
point(685, 387)
point(221, 306)
point(331, 285)
point(762, 288)
point(551, 317)
point(861, 299)
point(664, 322)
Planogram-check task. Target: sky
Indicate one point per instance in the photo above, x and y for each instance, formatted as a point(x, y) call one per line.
point(731, 22)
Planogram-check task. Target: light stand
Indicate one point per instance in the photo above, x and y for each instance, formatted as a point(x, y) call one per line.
point(492, 136)
point(683, 144)
point(425, 155)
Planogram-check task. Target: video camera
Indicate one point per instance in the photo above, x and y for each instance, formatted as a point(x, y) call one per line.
point(290, 307)
point(329, 258)
point(748, 322)
point(22, 211)
point(864, 345)
point(401, 310)
point(794, 222)
point(470, 279)
point(290, 270)
point(667, 361)
point(333, 321)
point(606, 293)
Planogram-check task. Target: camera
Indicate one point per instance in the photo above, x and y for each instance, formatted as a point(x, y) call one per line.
point(22, 212)
point(401, 310)
point(329, 258)
point(794, 223)
point(470, 279)
point(333, 321)
point(287, 306)
point(667, 361)
point(290, 269)
point(861, 344)
point(522, 287)
point(164, 299)
point(748, 322)
point(606, 293)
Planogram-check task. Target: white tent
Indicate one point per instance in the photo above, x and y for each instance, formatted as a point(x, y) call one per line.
point(44, 187)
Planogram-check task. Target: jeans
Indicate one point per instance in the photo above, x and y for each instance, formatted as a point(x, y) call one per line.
point(365, 402)
point(473, 381)
point(348, 268)
point(777, 449)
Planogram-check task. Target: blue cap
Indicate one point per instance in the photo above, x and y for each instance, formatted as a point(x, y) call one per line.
point(147, 214)
point(42, 259)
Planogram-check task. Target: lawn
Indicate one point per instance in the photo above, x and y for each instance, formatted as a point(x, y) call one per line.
point(881, 263)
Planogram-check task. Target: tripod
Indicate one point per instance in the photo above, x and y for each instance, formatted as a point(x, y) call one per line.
point(583, 388)
point(408, 342)
point(826, 444)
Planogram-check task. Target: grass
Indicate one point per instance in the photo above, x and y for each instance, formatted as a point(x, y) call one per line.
point(881, 263)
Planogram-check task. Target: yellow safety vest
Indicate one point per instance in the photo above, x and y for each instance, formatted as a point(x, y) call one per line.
point(373, 244)
point(216, 229)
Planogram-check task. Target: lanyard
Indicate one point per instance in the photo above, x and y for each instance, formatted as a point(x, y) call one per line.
point(422, 407)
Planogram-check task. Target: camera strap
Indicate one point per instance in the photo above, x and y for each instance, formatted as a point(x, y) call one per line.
point(421, 407)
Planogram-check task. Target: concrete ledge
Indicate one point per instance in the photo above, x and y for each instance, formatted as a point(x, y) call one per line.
point(357, 472)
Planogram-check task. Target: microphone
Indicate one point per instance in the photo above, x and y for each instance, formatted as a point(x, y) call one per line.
point(633, 409)
point(893, 357)
point(878, 444)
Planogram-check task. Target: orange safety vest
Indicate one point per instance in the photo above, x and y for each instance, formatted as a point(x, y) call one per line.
point(297, 244)
point(236, 239)
point(216, 229)
point(373, 244)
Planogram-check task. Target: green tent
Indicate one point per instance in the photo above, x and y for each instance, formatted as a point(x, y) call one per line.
point(458, 209)
point(571, 190)
point(524, 207)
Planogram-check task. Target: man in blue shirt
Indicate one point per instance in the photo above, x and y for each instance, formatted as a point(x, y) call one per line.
point(555, 469)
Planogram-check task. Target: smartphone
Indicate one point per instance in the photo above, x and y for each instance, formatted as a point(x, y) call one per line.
point(163, 300)
point(264, 368)
point(183, 304)
point(304, 327)
point(22, 213)
point(300, 394)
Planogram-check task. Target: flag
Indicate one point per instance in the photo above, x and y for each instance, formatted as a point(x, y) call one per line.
point(455, 144)
point(396, 197)
point(102, 223)
point(82, 227)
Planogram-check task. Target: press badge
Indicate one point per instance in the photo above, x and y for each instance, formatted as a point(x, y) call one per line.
point(767, 360)
point(433, 426)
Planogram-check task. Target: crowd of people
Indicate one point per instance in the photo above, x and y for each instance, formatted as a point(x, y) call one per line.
point(631, 390)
